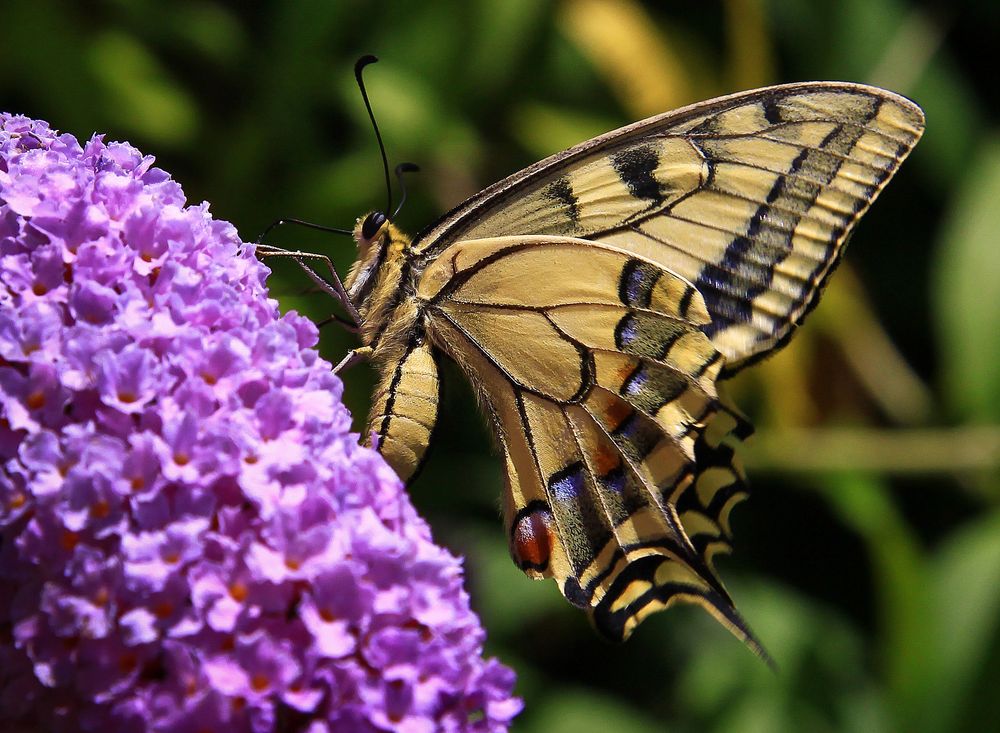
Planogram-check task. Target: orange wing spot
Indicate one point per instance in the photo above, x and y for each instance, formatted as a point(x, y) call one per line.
point(616, 412)
point(531, 539)
point(606, 460)
point(623, 372)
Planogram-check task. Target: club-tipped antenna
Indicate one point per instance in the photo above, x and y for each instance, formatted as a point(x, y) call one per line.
point(358, 68)
point(400, 170)
point(301, 223)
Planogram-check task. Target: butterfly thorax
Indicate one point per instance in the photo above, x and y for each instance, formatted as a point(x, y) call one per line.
point(376, 283)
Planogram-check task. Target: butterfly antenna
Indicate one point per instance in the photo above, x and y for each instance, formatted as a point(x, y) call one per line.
point(358, 68)
point(301, 223)
point(400, 170)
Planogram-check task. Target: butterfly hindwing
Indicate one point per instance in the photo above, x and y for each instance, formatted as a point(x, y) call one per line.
point(601, 387)
point(749, 197)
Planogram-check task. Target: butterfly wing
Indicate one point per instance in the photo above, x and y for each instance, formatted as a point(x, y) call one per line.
point(594, 368)
point(749, 197)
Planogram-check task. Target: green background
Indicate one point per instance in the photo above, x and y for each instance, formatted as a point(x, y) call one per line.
point(868, 558)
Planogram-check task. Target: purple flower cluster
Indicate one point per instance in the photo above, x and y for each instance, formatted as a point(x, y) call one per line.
point(190, 537)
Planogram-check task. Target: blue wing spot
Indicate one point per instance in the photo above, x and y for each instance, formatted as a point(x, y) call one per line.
point(567, 484)
point(614, 480)
point(635, 286)
point(626, 332)
point(636, 382)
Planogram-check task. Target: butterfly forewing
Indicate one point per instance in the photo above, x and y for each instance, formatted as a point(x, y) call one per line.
point(749, 197)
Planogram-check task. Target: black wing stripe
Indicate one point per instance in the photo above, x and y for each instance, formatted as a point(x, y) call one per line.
point(653, 495)
point(561, 191)
point(747, 264)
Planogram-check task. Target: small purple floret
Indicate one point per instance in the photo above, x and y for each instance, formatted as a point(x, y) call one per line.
point(191, 538)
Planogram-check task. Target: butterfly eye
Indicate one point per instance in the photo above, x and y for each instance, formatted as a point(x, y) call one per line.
point(373, 222)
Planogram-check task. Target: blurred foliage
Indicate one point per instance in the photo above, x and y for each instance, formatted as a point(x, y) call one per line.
point(868, 558)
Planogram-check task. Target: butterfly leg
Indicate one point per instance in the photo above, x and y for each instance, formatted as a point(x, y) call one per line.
point(342, 322)
point(352, 357)
point(335, 288)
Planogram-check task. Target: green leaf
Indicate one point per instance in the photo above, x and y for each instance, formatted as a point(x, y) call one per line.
point(822, 682)
point(140, 92)
point(502, 35)
point(586, 711)
point(960, 626)
point(865, 504)
point(544, 129)
point(966, 296)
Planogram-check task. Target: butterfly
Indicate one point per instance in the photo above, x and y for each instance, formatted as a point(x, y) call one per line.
point(596, 298)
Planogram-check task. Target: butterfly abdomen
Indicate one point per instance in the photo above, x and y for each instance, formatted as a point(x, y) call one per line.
point(404, 408)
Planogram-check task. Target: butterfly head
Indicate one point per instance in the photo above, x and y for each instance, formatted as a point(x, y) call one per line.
point(379, 242)
point(371, 226)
